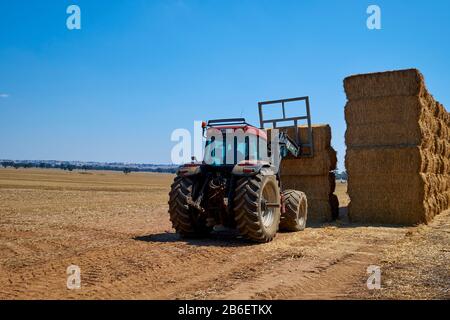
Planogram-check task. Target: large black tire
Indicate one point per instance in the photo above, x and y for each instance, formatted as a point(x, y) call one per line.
point(296, 211)
point(256, 221)
point(186, 221)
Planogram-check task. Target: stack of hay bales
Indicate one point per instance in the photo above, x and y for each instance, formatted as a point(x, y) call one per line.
point(313, 175)
point(398, 149)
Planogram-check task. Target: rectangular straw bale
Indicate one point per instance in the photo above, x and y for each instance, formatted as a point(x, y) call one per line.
point(380, 160)
point(381, 84)
point(389, 210)
point(367, 135)
point(399, 109)
point(393, 210)
point(392, 134)
point(405, 187)
point(321, 135)
point(393, 120)
point(320, 164)
point(322, 210)
point(388, 121)
point(315, 187)
point(397, 198)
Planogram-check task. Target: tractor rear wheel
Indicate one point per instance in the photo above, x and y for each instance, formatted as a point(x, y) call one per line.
point(185, 220)
point(257, 207)
point(296, 206)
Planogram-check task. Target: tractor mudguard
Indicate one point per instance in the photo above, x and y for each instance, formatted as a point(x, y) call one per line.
point(189, 169)
point(250, 168)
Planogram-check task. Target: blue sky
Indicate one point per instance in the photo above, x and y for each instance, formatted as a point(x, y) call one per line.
point(115, 90)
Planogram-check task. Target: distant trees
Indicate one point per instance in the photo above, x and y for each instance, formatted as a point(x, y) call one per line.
point(16, 165)
point(6, 164)
point(70, 166)
point(341, 176)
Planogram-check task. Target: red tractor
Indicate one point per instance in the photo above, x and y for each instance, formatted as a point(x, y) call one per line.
point(237, 185)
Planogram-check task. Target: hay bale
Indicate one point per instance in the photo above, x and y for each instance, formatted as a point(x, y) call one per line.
point(381, 160)
point(392, 211)
point(404, 120)
point(368, 135)
point(388, 211)
point(398, 197)
point(397, 109)
point(398, 149)
point(323, 205)
point(405, 187)
point(406, 199)
point(321, 164)
point(313, 175)
point(315, 187)
point(321, 135)
point(382, 84)
point(322, 210)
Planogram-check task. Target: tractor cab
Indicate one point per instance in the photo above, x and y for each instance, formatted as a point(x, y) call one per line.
point(232, 141)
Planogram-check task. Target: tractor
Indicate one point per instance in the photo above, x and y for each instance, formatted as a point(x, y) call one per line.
point(238, 185)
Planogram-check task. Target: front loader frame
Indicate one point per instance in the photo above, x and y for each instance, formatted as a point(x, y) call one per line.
point(275, 122)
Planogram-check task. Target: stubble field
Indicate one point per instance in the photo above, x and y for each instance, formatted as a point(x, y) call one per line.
point(115, 227)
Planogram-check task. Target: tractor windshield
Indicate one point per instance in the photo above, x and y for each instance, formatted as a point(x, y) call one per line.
point(221, 151)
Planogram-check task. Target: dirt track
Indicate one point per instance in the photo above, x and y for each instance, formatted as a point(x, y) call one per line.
point(116, 228)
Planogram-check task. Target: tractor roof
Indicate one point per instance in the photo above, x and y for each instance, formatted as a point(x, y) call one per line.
point(248, 129)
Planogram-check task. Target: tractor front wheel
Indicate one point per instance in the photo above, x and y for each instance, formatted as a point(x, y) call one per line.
point(296, 207)
point(257, 207)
